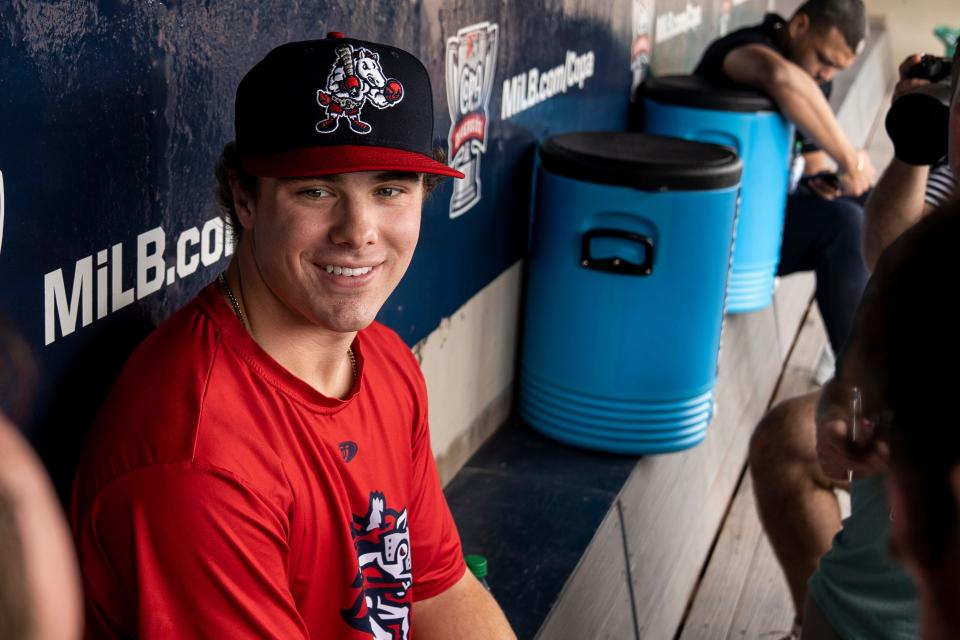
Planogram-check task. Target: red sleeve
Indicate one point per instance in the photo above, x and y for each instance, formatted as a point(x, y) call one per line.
point(435, 544)
point(177, 551)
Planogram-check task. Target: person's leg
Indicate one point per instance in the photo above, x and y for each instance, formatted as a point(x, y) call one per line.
point(825, 236)
point(796, 502)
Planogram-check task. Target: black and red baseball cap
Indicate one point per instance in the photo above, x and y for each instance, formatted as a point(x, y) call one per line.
point(336, 105)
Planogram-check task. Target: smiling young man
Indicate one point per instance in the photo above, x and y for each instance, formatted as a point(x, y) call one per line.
point(262, 468)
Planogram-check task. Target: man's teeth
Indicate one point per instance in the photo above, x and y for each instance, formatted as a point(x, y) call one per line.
point(347, 271)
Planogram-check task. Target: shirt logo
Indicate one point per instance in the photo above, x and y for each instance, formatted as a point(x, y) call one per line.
point(382, 541)
point(356, 79)
point(348, 450)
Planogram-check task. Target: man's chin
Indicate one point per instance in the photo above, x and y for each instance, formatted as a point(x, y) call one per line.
point(347, 324)
point(344, 315)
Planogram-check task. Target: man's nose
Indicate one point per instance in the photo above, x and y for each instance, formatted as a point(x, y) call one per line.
point(355, 224)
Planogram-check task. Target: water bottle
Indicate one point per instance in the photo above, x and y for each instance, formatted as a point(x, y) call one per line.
point(478, 567)
point(796, 168)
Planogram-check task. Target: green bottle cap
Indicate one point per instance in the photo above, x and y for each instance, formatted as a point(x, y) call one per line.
point(477, 565)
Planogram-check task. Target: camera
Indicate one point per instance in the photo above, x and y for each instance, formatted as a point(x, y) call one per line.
point(932, 68)
point(918, 121)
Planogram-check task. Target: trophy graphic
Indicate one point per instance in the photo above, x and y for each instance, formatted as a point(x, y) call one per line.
point(643, 14)
point(471, 64)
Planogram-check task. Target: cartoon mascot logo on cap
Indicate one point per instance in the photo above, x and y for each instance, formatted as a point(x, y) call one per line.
point(356, 78)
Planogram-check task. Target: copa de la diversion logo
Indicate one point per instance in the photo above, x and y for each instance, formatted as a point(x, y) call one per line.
point(471, 66)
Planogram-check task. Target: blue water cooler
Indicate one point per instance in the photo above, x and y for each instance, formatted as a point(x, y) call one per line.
point(630, 252)
point(693, 108)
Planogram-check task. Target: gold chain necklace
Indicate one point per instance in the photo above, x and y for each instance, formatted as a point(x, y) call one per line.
point(238, 310)
point(222, 281)
point(353, 362)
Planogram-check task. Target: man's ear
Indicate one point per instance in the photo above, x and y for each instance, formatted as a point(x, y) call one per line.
point(244, 204)
point(798, 25)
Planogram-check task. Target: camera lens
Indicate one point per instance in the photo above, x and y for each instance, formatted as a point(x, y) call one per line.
point(918, 122)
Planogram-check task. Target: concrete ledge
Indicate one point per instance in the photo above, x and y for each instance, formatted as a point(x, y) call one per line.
point(468, 363)
point(469, 441)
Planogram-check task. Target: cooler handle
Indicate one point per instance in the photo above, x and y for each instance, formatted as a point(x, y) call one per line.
point(617, 265)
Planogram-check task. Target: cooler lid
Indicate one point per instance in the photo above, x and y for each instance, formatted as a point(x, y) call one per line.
point(701, 93)
point(641, 160)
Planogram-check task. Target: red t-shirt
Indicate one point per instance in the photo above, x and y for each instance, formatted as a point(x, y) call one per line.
point(220, 496)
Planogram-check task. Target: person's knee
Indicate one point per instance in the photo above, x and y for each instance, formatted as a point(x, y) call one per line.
point(846, 220)
point(786, 435)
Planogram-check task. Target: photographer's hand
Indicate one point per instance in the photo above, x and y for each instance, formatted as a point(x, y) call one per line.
point(906, 84)
point(837, 453)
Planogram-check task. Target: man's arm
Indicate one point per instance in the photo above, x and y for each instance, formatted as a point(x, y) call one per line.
point(897, 202)
point(801, 101)
point(895, 205)
point(177, 551)
point(816, 162)
point(465, 611)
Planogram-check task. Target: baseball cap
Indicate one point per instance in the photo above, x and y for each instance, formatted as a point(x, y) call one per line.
point(336, 105)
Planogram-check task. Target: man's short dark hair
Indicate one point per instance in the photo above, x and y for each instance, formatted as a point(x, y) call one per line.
point(848, 16)
point(228, 169)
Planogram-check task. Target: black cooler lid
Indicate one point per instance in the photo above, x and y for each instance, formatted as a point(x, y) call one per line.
point(701, 93)
point(641, 160)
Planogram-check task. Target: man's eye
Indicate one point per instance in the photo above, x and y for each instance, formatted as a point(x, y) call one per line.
point(315, 193)
point(389, 192)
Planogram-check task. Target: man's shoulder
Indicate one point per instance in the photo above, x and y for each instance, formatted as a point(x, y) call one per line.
point(763, 33)
point(175, 358)
point(380, 341)
point(152, 411)
point(769, 32)
point(382, 334)
point(388, 360)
